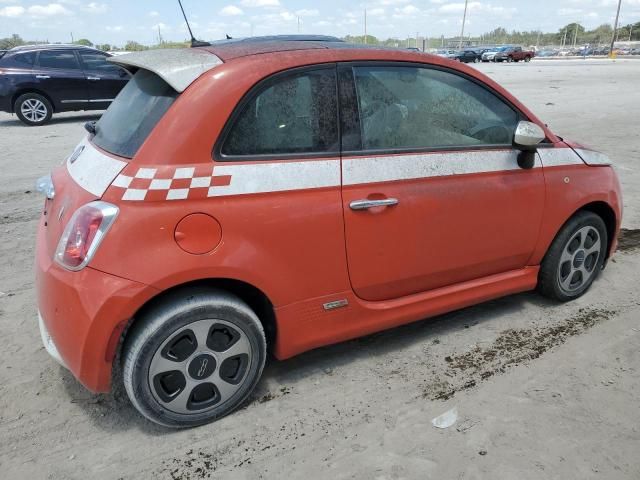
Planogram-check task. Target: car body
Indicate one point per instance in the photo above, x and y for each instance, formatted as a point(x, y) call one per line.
point(57, 78)
point(468, 56)
point(241, 193)
point(490, 54)
point(446, 53)
point(513, 54)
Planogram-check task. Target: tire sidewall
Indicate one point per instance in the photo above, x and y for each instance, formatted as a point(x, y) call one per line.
point(551, 263)
point(143, 348)
point(18, 109)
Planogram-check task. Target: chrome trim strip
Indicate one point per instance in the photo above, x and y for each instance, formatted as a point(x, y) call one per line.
point(103, 100)
point(74, 101)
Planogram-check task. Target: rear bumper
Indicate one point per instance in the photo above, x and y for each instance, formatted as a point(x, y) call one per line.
point(82, 315)
point(47, 341)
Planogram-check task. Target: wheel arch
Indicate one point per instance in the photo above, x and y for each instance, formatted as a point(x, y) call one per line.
point(608, 215)
point(255, 298)
point(600, 208)
point(15, 96)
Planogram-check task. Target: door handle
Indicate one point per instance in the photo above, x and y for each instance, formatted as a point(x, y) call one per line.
point(93, 78)
point(43, 77)
point(365, 204)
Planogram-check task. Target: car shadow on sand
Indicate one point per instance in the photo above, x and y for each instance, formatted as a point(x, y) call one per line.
point(113, 412)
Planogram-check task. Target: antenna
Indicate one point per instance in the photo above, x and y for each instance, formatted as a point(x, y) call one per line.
point(194, 42)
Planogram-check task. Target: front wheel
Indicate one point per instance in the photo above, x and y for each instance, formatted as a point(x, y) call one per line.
point(575, 258)
point(509, 59)
point(33, 109)
point(527, 59)
point(193, 358)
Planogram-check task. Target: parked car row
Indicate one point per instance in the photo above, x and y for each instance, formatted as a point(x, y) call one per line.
point(39, 80)
point(586, 51)
point(505, 53)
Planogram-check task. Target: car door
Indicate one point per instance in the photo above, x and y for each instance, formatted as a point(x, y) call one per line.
point(432, 191)
point(104, 79)
point(58, 74)
point(282, 142)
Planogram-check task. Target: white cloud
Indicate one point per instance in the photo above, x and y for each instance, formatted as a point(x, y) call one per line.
point(287, 16)
point(407, 10)
point(569, 11)
point(376, 12)
point(115, 28)
point(231, 11)
point(12, 11)
point(94, 7)
point(307, 12)
point(50, 10)
point(161, 26)
point(153, 13)
point(458, 7)
point(260, 3)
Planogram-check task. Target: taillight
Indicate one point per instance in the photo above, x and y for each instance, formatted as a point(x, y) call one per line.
point(83, 234)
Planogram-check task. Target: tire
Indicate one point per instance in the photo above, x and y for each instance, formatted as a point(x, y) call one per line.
point(193, 358)
point(527, 59)
point(33, 109)
point(574, 250)
point(476, 60)
point(509, 59)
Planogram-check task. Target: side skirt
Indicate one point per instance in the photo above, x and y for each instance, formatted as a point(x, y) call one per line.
point(306, 325)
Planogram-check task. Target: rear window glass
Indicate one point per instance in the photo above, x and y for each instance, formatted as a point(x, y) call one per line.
point(58, 59)
point(133, 114)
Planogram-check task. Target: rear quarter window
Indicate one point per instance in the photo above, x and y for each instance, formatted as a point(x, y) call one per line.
point(133, 114)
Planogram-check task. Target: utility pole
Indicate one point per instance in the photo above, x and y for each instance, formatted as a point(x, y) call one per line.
point(298, 24)
point(630, 30)
point(575, 34)
point(159, 36)
point(564, 38)
point(615, 27)
point(538, 39)
point(71, 37)
point(464, 19)
point(365, 26)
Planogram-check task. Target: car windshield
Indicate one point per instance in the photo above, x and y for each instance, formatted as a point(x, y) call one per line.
point(133, 114)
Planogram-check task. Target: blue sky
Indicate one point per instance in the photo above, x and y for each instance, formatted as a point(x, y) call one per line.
point(117, 21)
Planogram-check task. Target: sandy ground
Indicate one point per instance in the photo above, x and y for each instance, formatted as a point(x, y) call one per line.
point(542, 390)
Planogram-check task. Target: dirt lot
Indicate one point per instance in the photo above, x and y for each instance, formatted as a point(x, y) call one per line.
point(542, 390)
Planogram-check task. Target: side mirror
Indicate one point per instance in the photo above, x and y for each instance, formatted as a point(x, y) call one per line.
point(526, 138)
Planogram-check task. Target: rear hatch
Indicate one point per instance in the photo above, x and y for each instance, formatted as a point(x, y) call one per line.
point(98, 159)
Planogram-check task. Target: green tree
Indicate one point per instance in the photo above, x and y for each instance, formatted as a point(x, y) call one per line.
point(9, 42)
point(84, 41)
point(133, 46)
point(105, 47)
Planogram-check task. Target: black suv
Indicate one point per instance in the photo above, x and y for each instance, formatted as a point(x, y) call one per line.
point(38, 80)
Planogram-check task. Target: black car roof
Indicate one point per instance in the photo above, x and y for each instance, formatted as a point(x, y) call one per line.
point(48, 46)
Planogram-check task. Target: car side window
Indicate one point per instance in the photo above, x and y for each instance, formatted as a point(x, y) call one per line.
point(27, 58)
point(404, 107)
point(296, 113)
point(62, 59)
point(97, 62)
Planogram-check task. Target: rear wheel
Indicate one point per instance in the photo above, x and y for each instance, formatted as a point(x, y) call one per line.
point(575, 258)
point(193, 358)
point(527, 59)
point(509, 59)
point(33, 109)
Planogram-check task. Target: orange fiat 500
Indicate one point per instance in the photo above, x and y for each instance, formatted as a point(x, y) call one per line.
point(279, 194)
